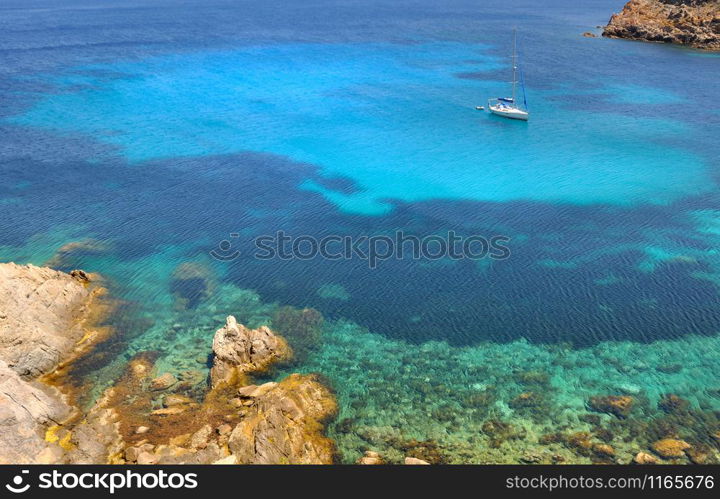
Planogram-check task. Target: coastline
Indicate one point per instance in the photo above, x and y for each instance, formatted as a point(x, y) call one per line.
point(145, 416)
point(521, 414)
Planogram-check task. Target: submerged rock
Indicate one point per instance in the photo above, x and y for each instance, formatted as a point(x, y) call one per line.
point(191, 283)
point(163, 382)
point(618, 405)
point(669, 448)
point(69, 254)
point(239, 351)
point(671, 403)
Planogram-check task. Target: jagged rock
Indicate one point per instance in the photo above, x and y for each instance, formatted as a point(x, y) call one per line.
point(669, 448)
point(618, 405)
point(238, 350)
point(414, 460)
point(644, 458)
point(686, 22)
point(588, 34)
point(284, 425)
point(41, 317)
point(45, 317)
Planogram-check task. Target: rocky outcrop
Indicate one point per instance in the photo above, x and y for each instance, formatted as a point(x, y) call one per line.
point(46, 320)
point(28, 410)
point(146, 417)
point(43, 317)
point(284, 424)
point(239, 350)
point(695, 23)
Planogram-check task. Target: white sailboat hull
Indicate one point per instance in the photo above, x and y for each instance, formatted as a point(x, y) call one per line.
point(510, 112)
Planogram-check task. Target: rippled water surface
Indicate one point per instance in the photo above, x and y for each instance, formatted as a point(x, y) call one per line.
point(152, 131)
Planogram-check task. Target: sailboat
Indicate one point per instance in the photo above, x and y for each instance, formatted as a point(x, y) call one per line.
point(508, 107)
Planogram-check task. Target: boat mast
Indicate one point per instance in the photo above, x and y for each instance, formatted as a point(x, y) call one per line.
point(514, 64)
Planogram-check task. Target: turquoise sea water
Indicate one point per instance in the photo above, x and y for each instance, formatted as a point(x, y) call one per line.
point(152, 132)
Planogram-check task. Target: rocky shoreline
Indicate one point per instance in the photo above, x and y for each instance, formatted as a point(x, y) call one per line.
point(248, 404)
point(695, 23)
point(48, 319)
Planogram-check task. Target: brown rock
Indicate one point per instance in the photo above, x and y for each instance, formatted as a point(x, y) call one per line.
point(174, 399)
point(618, 405)
point(226, 460)
point(669, 448)
point(603, 450)
point(132, 453)
point(163, 382)
point(224, 429)
point(80, 275)
point(414, 460)
point(284, 425)
point(644, 458)
point(671, 403)
point(239, 350)
point(253, 391)
point(686, 22)
point(147, 458)
point(700, 454)
point(199, 439)
point(371, 458)
point(588, 34)
point(169, 411)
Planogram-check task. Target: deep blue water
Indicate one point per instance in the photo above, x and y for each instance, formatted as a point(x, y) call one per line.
point(160, 128)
